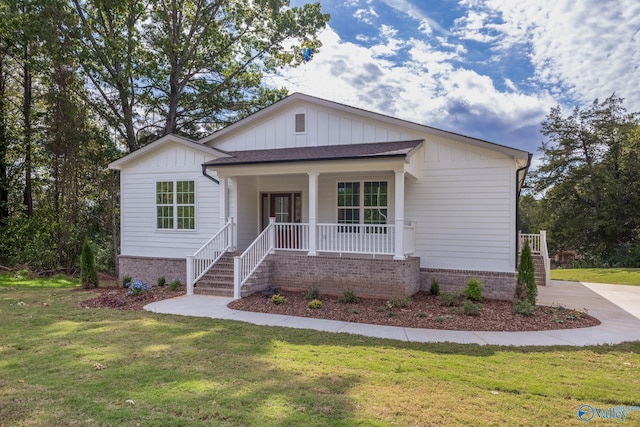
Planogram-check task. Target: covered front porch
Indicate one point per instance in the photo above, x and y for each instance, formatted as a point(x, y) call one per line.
point(340, 206)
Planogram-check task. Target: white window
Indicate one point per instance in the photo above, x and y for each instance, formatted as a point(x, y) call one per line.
point(369, 206)
point(175, 205)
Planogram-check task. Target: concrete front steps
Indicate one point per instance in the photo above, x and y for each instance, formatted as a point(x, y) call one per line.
point(541, 274)
point(218, 281)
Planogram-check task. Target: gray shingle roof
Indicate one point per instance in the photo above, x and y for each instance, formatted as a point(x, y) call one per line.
point(325, 152)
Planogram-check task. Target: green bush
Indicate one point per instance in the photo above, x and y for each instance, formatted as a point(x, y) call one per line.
point(125, 281)
point(314, 304)
point(449, 299)
point(474, 289)
point(162, 281)
point(435, 287)
point(399, 303)
point(348, 297)
point(523, 308)
point(421, 314)
point(471, 308)
point(526, 288)
point(175, 285)
point(312, 293)
point(278, 299)
point(88, 272)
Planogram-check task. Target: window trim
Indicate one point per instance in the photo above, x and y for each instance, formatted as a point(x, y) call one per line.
point(304, 123)
point(175, 206)
point(361, 205)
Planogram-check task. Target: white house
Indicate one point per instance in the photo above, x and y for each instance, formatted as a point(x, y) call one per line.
point(309, 192)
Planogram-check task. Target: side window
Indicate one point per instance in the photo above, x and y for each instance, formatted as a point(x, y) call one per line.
point(175, 205)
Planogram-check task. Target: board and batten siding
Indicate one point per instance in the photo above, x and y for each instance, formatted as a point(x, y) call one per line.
point(464, 206)
point(324, 126)
point(139, 235)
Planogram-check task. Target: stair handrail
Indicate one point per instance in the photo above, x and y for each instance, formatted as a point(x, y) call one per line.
point(246, 264)
point(205, 257)
point(545, 256)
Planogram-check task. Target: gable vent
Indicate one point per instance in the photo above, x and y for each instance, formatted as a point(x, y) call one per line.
point(300, 123)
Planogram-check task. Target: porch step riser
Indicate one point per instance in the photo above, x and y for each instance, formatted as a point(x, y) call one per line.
point(219, 280)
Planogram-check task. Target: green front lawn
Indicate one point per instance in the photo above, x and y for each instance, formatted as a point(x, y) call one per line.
point(616, 276)
point(61, 364)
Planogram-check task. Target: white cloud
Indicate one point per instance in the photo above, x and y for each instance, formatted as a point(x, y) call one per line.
point(426, 23)
point(367, 16)
point(591, 48)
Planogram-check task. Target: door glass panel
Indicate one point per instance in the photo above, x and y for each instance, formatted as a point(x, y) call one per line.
point(282, 208)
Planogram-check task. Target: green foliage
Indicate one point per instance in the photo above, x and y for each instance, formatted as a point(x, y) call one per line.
point(138, 287)
point(348, 297)
point(523, 307)
point(590, 182)
point(126, 279)
point(162, 281)
point(88, 272)
point(435, 287)
point(175, 285)
point(449, 299)
point(313, 293)
point(470, 308)
point(278, 299)
point(314, 304)
point(399, 302)
point(474, 289)
point(526, 288)
point(421, 314)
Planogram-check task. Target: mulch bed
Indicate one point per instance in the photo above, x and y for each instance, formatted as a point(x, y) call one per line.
point(424, 311)
point(117, 297)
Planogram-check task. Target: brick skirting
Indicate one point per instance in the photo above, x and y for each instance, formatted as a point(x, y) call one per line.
point(332, 275)
point(149, 269)
point(497, 285)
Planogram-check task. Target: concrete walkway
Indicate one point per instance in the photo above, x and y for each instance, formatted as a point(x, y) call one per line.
point(616, 306)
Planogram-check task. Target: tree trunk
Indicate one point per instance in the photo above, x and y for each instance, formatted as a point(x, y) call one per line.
point(26, 112)
point(4, 144)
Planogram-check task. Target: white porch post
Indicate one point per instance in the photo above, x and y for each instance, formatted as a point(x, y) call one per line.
point(313, 213)
point(224, 200)
point(399, 208)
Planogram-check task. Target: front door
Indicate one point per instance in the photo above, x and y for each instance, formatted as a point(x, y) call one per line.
point(287, 208)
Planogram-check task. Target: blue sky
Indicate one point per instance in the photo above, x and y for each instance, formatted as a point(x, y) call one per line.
point(490, 69)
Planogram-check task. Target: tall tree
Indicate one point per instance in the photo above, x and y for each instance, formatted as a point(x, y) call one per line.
point(586, 179)
point(110, 56)
point(207, 58)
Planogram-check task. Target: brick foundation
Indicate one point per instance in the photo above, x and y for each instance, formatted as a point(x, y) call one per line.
point(497, 285)
point(149, 269)
point(332, 275)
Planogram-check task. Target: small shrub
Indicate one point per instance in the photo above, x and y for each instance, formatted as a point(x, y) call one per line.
point(88, 272)
point(138, 287)
point(449, 299)
point(421, 314)
point(441, 319)
point(278, 299)
point(312, 294)
point(381, 309)
point(474, 290)
point(162, 281)
point(435, 288)
point(355, 311)
point(399, 303)
point(390, 313)
point(314, 304)
point(175, 285)
point(471, 308)
point(125, 281)
point(524, 308)
point(348, 297)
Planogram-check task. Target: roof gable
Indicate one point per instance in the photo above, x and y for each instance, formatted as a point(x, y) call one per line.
point(161, 143)
point(406, 128)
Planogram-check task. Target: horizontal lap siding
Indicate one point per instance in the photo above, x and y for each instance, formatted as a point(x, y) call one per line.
point(465, 214)
point(139, 236)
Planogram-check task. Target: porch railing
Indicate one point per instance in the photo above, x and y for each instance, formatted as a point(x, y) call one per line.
point(245, 264)
point(534, 243)
point(208, 254)
point(409, 238)
point(356, 238)
point(538, 245)
point(291, 236)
